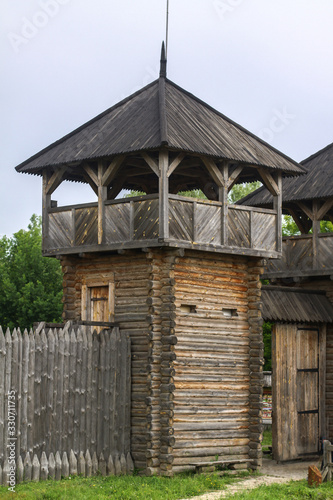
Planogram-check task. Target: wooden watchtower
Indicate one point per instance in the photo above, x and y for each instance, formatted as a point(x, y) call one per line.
point(307, 263)
point(180, 275)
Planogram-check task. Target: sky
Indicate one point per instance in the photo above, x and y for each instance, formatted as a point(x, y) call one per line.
point(266, 64)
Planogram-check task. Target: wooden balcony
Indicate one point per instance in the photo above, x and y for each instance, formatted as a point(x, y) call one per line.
point(306, 255)
point(135, 223)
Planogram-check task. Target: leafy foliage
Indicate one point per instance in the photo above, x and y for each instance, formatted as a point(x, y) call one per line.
point(239, 191)
point(195, 193)
point(30, 284)
point(267, 335)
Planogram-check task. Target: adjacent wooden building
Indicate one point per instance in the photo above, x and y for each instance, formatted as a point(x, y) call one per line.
point(179, 275)
point(307, 259)
point(301, 320)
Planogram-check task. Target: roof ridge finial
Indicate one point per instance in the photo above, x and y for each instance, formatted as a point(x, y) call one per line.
point(163, 62)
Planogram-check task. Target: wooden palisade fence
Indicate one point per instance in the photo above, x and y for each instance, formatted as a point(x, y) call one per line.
point(63, 392)
point(327, 467)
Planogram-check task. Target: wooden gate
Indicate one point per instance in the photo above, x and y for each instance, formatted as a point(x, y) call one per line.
point(298, 363)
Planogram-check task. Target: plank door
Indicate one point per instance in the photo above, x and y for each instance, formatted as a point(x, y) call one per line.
point(298, 362)
point(307, 383)
point(99, 303)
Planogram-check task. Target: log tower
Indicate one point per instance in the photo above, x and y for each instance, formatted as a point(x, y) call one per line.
point(180, 275)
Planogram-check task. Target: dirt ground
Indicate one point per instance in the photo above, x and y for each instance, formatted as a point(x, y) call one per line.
point(272, 473)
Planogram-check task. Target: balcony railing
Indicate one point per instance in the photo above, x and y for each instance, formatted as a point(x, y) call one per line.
point(135, 223)
point(305, 255)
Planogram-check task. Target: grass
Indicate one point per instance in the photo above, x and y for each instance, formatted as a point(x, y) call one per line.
point(122, 487)
point(295, 490)
point(267, 439)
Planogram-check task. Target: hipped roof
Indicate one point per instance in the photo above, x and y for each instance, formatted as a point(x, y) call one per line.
point(284, 304)
point(316, 184)
point(160, 114)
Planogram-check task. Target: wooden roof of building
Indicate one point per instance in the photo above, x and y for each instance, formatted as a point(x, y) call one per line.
point(291, 305)
point(317, 183)
point(160, 114)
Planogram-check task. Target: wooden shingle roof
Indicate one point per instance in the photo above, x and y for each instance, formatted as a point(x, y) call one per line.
point(160, 114)
point(284, 304)
point(316, 184)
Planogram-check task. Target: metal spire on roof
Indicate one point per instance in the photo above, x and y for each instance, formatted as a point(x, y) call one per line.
point(167, 29)
point(163, 62)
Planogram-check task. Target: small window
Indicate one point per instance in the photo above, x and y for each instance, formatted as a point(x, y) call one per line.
point(188, 308)
point(229, 313)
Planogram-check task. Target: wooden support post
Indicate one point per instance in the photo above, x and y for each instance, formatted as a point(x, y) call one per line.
point(163, 194)
point(315, 231)
point(223, 198)
point(278, 207)
point(45, 212)
point(102, 197)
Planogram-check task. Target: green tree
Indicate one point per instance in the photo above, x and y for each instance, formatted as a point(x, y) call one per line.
point(30, 284)
point(239, 191)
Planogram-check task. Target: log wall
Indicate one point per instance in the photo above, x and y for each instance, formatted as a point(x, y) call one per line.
point(131, 276)
point(218, 366)
point(196, 376)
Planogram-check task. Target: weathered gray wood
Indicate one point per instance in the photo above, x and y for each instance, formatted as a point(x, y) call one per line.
point(27, 468)
point(110, 466)
point(31, 393)
point(163, 192)
point(123, 464)
point(130, 464)
point(66, 396)
point(52, 466)
point(60, 391)
point(89, 470)
point(94, 464)
point(102, 465)
point(43, 393)
point(81, 464)
point(58, 466)
point(5, 473)
point(54, 443)
point(8, 376)
point(72, 372)
point(94, 392)
point(77, 392)
point(89, 389)
point(64, 465)
point(25, 394)
point(44, 467)
point(19, 470)
point(100, 395)
point(2, 394)
point(35, 476)
point(19, 394)
point(37, 393)
point(106, 396)
point(54, 360)
point(72, 464)
point(117, 465)
point(49, 377)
